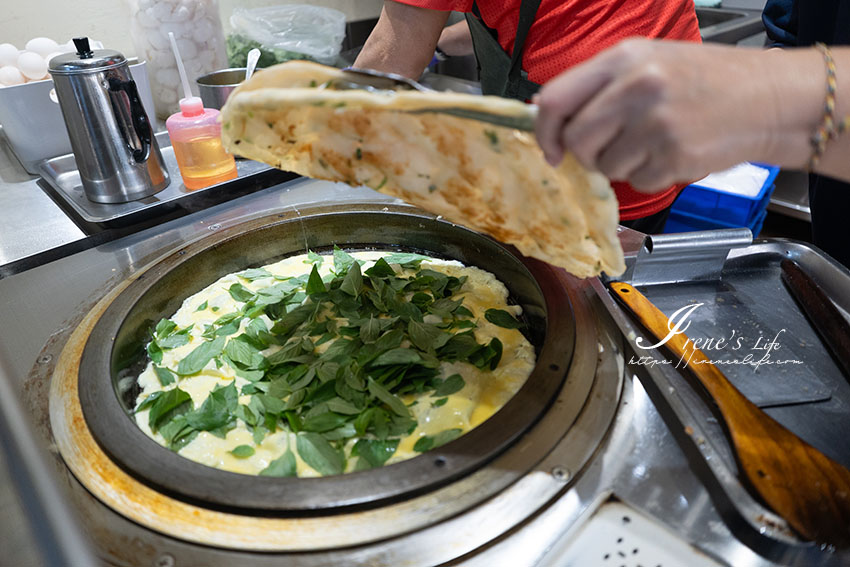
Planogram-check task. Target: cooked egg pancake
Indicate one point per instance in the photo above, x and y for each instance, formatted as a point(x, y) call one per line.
point(237, 447)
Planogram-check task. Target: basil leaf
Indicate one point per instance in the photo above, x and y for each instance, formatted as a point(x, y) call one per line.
point(164, 328)
point(195, 361)
point(246, 414)
point(167, 405)
point(463, 312)
point(502, 318)
point(242, 451)
point(228, 329)
point(202, 306)
point(352, 284)
point(282, 466)
point(314, 283)
point(252, 274)
point(342, 260)
point(425, 336)
point(240, 293)
point(397, 356)
point(154, 352)
point(407, 260)
point(323, 422)
point(380, 269)
point(488, 356)
point(216, 411)
point(449, 386)
point(174, 341)
point(243, 353)
point(339, 405)
point(271, 404)
point(319, 454)
point(388, 398)
point(291, 320)
point(439, 403)
point(164, 375)
point(427, 442)
point(369, 330)
point(313, 258)
point(375, 452)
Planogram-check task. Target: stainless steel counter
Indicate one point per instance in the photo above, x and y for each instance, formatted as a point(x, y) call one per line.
point(30, 222)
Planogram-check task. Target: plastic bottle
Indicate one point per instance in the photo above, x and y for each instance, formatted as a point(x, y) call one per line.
point(196, 138)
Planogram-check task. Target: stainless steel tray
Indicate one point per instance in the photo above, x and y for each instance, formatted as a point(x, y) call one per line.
point(742, 293)
point(62, 176)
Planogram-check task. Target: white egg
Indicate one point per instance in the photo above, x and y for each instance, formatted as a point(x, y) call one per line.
point(10, 75)
point(8, 54)
point(32, 65)
point(42, 45)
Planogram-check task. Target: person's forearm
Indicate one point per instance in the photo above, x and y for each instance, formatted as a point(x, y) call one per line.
point(456, 40)
point(403, 40)
point(654, 113)
point(800, 86)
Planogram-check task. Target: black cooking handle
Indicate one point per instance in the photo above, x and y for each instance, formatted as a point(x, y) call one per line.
point(138, 117)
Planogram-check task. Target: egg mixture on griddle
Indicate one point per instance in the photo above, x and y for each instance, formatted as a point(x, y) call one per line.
point(318, 365)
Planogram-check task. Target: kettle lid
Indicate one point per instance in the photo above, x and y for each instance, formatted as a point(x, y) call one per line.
point(85, 60)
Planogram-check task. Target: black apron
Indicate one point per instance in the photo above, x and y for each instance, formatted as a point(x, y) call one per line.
point(501, 74)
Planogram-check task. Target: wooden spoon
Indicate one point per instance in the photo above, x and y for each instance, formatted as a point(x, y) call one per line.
point(801, 484)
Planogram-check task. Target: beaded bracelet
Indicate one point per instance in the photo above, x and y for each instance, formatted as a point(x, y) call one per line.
point(827, 129)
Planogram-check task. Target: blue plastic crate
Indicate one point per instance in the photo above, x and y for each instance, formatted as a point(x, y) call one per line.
point(738, 210)
point(680, 221)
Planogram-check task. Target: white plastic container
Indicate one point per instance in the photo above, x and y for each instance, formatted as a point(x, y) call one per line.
point(32, 120)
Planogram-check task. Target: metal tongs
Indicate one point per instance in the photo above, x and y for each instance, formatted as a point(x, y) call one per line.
point(376, 81)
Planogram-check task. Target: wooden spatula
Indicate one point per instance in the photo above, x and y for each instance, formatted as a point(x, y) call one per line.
point(801, 484)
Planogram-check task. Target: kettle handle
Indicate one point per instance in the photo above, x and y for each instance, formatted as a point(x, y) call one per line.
point(139, 118)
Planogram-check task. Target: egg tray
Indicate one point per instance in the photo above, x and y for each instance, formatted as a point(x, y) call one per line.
point(160, 290)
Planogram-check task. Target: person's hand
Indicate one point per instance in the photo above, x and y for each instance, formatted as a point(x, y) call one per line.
point(654, 113)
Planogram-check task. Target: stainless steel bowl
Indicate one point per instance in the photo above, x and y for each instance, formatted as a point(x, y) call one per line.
point(215, 87)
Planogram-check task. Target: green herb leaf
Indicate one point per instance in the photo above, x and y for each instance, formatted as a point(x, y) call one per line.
point(449, 386)
point(438, 403)
point(352, 284)
point(217, 410)
point(240, 293)
point(342, 260)
point(319, 454)
point(164, 375)
point(167, 405)
point(395, 404)
point(314, 283)
point(370, 330)
point(313, 258)
point(380, 269)
point(202, 306)
point(255, 274)
point(195, 361)
point(502, 318)
point(397, 356)
point(425, 336)
point(427, 442)
point(243, 353)
point(284, 465)
point(164, 328)
point(374, 451)
point(242, 451)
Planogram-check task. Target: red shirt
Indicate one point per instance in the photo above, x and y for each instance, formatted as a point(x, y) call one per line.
point(567, 32)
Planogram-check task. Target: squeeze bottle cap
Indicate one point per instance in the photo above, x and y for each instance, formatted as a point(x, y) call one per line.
point(191, 106)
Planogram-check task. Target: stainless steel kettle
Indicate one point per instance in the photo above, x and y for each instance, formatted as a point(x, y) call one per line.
point(111, 136)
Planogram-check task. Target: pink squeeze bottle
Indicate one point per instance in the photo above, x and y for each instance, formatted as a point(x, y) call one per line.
point(196, 138)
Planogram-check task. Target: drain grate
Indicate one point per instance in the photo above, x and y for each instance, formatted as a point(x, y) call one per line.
point(619, 536)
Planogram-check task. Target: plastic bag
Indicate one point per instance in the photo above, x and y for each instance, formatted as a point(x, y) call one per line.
point(295, 31)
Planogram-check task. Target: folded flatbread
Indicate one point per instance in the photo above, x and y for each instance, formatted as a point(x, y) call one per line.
point(489, 178)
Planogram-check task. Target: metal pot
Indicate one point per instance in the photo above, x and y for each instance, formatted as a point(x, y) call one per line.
point(111, 136)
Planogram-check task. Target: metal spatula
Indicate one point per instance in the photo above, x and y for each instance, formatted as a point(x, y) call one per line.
point(370, 79)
